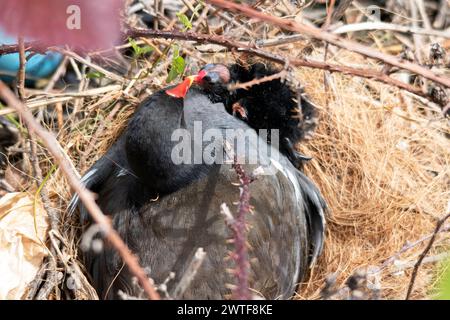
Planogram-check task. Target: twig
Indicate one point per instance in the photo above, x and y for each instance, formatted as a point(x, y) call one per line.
point(339, 12)
point(51, 277)
point(441, 17)
point(62, 97)
point(405, 248)
point(88, 152)
point(85, 195)
point(281, 40)
point(75, 56)
point(36, 283)
point(228, 43)
point(367, 26)
point(403, 265)
point(13, 48)
point(439, 225)
point(21, 71)
point(364, 73)
point(333, 39)
point(52, 280)
point(190, 273)
point(58, 74)
point(6, 186)
point(330, 10)
point(256, 81)
point(240, 240)
point(238, 226)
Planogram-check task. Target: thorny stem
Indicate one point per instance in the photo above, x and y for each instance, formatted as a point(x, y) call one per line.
point(85, 195)
point(242, 47)
point(297, 62)
point(239, 227)
point(291, 25)
point(438, 227)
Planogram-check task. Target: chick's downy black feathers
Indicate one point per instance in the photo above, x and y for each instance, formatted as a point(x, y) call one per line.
point(268, 105)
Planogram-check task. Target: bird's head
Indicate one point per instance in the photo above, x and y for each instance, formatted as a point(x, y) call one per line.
point(210, 77)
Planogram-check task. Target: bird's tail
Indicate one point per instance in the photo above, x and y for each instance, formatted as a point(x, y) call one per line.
point(315, 208)
point(110, 164)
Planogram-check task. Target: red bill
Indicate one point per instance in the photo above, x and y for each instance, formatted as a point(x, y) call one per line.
point(181, 90)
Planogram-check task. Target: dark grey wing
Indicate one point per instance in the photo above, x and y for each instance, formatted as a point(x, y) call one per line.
point(166, 233)
point(310, 199)
point(111, 165)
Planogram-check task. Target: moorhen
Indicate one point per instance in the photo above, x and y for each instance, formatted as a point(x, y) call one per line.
point(164, 211)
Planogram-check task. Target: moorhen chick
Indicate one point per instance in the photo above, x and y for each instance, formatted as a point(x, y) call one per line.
point(164, 211)
point(268, 105)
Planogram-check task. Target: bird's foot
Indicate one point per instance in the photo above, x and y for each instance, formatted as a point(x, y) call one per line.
point(298, 159)
point(238, 109)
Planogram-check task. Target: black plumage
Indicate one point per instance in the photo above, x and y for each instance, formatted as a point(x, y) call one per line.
point(287, 228)
point(268, 105)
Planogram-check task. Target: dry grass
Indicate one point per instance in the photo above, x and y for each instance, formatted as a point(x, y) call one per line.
point(385, 172)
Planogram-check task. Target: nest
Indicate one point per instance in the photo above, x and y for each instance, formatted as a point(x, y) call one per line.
point(384, 170)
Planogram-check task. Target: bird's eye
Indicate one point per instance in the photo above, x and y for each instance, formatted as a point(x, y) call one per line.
point(212, 77)
point(216, 74)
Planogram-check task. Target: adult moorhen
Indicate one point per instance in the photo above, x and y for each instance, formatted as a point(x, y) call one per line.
point(164, 211)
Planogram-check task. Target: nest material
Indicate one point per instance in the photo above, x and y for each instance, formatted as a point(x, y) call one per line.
point(385, 173)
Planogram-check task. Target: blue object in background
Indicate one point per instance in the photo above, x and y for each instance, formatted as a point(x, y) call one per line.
point(39, 66)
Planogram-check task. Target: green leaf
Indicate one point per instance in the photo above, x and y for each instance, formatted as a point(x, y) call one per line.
point(444, 288)
point(95, 75)
point(172, 75)
point(176, 69)
point(145, 49)
point(137, 50)
point(13, 120)
point(179, 64)
point(134, 46)
point(184, 20)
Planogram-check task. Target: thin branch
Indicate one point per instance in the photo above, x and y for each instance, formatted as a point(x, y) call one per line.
point(242, 47)
point(13, 48)
point(441, 17)
point(85, 195)
point(64, 97)
point(333, 39)
point(367, 26)
point(240, 235)
point(190, 273)
point(51, 279)
point(406, 247)
point(339, 12)
point(75, 56)
point(21, 71)
point(439, 225)
point(256, 81)
point(60, 71)
point(281, 40)
point(330, 11)
point(239, 228)
point(364, 73)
